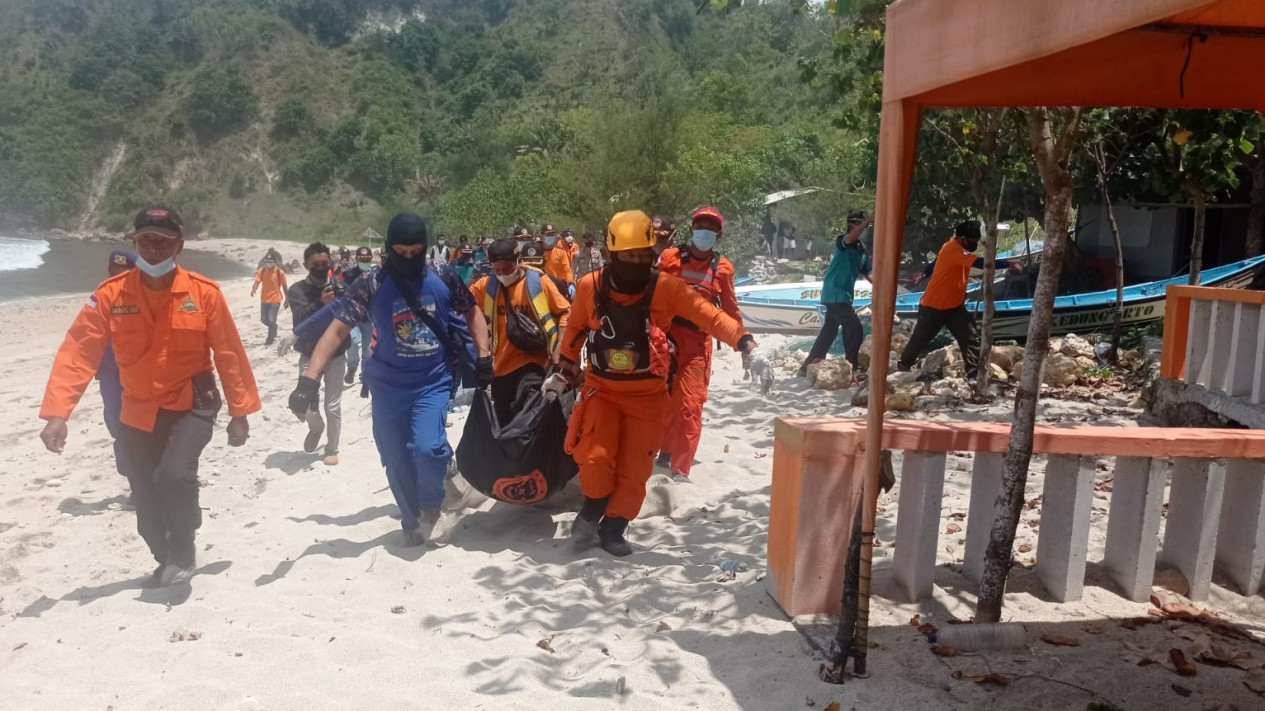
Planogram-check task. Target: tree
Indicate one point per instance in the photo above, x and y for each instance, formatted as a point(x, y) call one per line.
point(220, 102)
point(1053, 133)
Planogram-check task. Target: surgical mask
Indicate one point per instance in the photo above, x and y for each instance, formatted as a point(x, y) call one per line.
point(269, 264)
point(550, 240)
point(570, 239)
point(365, 263)
point(160, 269)
point(510, 279)
point(442, 243)
point(704, 239)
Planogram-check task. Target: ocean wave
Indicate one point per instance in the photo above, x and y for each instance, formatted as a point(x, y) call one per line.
point(18, 254)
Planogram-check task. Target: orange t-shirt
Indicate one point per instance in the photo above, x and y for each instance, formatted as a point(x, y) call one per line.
point(507, 357)
point(672, 297)
point(947, 287)
point(558, 264)
point(161, 340)
point(274, 285)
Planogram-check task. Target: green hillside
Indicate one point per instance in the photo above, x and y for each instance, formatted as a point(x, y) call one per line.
point(315, 118)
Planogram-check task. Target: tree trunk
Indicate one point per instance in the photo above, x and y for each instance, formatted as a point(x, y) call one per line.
point(1100, 163)
point(1053, 154)
point(992, 213)
point(1197, 243)
point(1256, 213)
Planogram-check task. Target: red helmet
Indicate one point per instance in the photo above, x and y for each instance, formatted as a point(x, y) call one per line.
point(709, 212)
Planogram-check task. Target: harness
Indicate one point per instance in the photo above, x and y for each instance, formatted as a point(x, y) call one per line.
point(623, 347)
point(539, 303)
point(704, 282)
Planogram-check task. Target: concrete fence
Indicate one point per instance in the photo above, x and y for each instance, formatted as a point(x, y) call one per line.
point(1214, 481)
point(1215, 338)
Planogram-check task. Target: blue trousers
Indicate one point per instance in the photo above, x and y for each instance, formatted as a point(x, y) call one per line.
point(408, 427)
point(361, 342)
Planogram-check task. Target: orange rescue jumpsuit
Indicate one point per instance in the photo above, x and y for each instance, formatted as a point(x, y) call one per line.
point(558, 263)
point(713, 278)
point(621, 414)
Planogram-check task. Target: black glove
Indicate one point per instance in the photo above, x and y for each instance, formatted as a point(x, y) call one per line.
point(304, 396)
point(484, 372)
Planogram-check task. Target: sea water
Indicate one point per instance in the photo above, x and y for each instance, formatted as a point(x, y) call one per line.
point(31, 268)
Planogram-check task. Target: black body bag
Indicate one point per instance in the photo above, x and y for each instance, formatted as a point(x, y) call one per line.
point(522, 462)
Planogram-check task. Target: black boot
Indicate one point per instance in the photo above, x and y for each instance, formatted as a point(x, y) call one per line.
point(584, 529)
point(611, 534)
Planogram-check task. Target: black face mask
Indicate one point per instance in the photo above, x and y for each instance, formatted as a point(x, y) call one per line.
point(630, 277)
point(319, 275)
point(404, 267)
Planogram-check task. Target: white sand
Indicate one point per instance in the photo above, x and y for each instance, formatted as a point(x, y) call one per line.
point(306, 601)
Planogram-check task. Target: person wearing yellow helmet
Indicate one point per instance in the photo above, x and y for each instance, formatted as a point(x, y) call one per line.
point(620, 318)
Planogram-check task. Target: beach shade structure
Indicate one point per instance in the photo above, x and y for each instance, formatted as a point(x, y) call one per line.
point(990, 53)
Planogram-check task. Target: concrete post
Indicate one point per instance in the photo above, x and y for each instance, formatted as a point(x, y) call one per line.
point(1067, 499)
point(1198, 346)
point(1242, 372)
point(1133, 527)
point(1216, 367)
point(1190, 536)
point(918, 523)
point(986, 478)
point(1258, 385)
point(1241, 540)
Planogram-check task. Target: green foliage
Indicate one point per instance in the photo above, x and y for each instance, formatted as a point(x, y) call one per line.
point(220, 101)
point(292, 119)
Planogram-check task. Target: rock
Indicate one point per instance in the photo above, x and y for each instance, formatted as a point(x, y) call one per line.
point(861, 398)
point(905, 328)
point(931, 403)
point(900, 402)
point(1075, 347)
point(899, 379)
point(1129, 359)
point(830, 375)
point(1017, 371)
point(997, 373)
point(939, 362)
point(1061, 370)
point(863, 356)
point(952, 388)
point(1005, 356)
point(1056, 345)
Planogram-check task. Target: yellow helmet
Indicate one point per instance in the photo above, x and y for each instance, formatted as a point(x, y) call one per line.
point(630, 229)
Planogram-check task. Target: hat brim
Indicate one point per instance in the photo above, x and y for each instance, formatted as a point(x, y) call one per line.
point(157, 231)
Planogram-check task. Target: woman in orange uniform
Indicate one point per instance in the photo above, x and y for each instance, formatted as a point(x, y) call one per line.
point(622, 313)
point(712, 276)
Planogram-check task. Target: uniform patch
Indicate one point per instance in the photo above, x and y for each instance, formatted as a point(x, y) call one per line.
point(117, 310)
point(92, 301)
point(188, 306)
point(620, 360)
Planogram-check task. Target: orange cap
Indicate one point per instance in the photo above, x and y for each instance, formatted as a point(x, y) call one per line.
point(709, 212)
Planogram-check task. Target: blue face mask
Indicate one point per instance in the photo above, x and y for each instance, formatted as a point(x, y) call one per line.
point(156, 270)
point(704, 239)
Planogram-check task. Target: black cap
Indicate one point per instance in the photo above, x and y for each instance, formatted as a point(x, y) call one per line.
point(969, 229)
point(406, 228)
point(546, 229)
point(503, 249)
point(158, 220)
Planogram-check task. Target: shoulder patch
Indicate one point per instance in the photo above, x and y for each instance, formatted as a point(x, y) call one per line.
point(92, 301)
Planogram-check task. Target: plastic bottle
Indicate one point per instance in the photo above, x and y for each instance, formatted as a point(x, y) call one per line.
point(981, 637)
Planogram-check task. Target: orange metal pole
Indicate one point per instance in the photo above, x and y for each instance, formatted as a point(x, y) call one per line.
point(1176, 332)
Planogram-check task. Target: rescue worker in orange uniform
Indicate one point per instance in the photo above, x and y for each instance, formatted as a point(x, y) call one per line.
point(166, 324)
point(272, 299)
point(558, 261)
point(712, 276)
point(622, 313)
point(519, 359)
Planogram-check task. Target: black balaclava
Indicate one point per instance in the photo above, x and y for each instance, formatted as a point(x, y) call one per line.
point(405, 228)
point(630, 277)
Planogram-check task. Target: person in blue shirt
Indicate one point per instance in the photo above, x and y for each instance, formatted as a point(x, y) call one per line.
point(108, 371)
point(426, 321)
point(837, 291)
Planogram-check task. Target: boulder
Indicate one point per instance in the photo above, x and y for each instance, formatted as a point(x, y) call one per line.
point(905, 328)
point(1075, 347)
point(1061, 370)
point(931, 403)
point(997, 373)
point(863, 356)
point(940, 362)
point(861, 398)
point(1083, 362)
point(900, 379)
point(1005, 356)
point(900, 402)
point(830, 375)
point(953, 388)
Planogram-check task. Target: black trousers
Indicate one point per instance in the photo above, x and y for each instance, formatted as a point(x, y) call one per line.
point(960, 323)
point(162, 469)
point(839, 316)
point(510, 391)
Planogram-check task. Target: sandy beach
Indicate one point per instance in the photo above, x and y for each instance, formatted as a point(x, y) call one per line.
point(305, 599)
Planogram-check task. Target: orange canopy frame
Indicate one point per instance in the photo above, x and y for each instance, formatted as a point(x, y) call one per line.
point(984, 53)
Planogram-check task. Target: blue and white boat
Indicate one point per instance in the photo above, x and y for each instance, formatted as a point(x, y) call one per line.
point(793, 308)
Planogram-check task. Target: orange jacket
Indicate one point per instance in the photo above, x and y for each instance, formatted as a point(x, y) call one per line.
point(274, 283)
point(508, 358)
point(558, 264)
point(158, 353)
point(672, 297)
point(947, 287)
point(713, 287)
